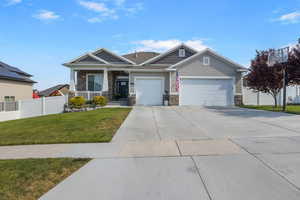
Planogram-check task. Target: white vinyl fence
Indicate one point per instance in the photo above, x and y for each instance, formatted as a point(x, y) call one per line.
point(259, 98)
point(33, 108)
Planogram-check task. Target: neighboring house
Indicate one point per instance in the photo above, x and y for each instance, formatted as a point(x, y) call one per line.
point(15, 84)
point(182, 75)
point(58, 90)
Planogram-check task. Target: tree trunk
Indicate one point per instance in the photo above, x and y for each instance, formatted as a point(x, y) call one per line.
point(275, 101)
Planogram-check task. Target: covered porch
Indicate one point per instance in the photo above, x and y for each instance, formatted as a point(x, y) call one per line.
point(114, 84)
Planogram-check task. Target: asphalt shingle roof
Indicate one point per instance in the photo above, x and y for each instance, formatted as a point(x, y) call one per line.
point(49, 91)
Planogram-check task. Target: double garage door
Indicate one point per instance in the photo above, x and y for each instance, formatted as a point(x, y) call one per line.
point(206, 92)
point(193, 91)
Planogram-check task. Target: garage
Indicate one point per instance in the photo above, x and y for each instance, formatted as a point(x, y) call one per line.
point(206, 92)
point(149, 91)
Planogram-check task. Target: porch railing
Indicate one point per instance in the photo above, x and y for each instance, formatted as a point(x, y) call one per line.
point(89, 95)
point(8, 106)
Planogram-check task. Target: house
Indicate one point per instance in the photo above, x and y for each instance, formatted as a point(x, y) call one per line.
point(57, 90)
point(15, 84)
point(182, 76)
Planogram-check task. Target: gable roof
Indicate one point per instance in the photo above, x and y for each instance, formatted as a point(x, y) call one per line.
point(50, 90)
point(12, 73)
point(127, 61)
point(140, 57)
point(168, 52)
point(232, 63)
point(88, 55)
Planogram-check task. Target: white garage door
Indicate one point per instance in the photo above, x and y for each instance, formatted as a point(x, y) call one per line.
point(149, 91)
point(206, 92)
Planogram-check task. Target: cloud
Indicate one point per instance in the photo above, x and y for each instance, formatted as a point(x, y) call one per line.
point(163, 45)
point(290, 18)
point(109, 9)
point(12, 2)
point(134, 9)
point(101, 8)
point(46, 15)
point(119, 2)
point(94, 6)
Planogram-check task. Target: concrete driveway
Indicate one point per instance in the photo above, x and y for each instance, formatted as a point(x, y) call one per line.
point(193, 123)
point(176, 153)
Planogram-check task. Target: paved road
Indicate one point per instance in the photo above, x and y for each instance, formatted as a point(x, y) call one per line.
point(163, 153)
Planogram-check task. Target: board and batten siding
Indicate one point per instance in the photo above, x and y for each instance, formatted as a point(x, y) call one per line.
point(217, 67)
point(173, 57)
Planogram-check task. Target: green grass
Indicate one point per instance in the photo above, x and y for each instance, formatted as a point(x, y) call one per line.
point(29, 179)
point(80, 127)
point(293, 109)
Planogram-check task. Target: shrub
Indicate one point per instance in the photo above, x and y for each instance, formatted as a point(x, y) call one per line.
point(100, 100)
point(77, 102)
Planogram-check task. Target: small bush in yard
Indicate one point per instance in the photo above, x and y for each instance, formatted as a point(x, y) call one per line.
point(77, 102)
point(100, 100)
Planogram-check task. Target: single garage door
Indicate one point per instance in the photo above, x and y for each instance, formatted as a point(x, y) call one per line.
point(206, 92)
point(149, 91)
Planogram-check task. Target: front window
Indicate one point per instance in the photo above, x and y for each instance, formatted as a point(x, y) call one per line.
point(94, 82)
point(9, 98)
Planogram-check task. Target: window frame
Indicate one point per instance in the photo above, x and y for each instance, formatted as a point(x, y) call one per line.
point(10, 98)
point(87, 81)
point(206, 60)
point(181, 53)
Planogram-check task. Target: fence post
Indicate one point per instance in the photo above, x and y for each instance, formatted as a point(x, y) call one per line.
point(19, 106)
point(43, 106)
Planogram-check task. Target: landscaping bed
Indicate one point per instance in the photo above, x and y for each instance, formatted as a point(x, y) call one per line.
point(29, 179)
point(293, 109)
point(78, 127)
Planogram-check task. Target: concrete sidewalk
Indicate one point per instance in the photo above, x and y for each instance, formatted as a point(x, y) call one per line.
point(121, 150)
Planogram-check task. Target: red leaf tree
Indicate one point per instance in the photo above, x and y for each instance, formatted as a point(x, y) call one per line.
point(262, 78)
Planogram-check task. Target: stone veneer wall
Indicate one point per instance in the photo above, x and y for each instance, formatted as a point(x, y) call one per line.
point(131, 100)
point(238, 100)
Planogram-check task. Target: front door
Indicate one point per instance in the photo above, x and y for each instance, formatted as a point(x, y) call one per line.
point(122, 87)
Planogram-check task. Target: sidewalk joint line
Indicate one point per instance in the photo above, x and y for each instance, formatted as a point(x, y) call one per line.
point(201, 178)
point(267, 165)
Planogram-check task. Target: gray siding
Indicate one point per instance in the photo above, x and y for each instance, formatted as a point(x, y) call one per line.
point(148, 74)
point(217, 67)
point(88, 60)
point(173, 57)
point(110, 58)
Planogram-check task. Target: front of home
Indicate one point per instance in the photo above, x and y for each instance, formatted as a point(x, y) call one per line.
point(181, 76)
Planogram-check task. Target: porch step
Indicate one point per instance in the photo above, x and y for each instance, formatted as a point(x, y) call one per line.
point(118, 103)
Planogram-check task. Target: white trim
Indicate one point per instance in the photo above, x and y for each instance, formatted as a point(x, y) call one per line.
point(84, 56)
point(206, 58)
point(168, 52)
point(206, 77)
point(86, 81)
point(170, 82)
point(212, 52)
point(150, 77)
point(97, 58)
point(114, 54)
point(121, 69)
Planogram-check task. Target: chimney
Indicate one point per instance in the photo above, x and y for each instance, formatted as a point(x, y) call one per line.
point(298, 40)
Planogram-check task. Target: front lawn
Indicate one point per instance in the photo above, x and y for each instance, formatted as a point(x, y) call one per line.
point(29, 179)
point(293, 109)
point(80, 127)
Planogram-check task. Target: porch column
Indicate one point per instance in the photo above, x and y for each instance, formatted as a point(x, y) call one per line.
point(105, 81)
point(72, 80)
